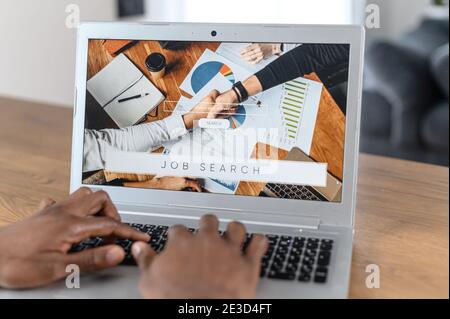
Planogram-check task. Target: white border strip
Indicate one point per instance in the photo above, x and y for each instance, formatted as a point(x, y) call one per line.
point(274, 171)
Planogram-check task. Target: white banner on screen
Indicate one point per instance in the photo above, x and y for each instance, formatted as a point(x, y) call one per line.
point(274, 171)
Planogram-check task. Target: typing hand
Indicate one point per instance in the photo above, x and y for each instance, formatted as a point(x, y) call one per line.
point(204, 265)
point(256, 52)
point(34, 252)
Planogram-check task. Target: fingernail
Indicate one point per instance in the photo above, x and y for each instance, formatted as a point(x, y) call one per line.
point(113, 255)
point(136, 249)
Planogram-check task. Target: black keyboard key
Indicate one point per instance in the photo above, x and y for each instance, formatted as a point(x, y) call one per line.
point(282, 251)
point(129, 260)
point(308, 261)
point(323, 259)
point(291, 267)
point(296, 251)
point(91, 241)
point(304, 277)
point(285, 275)
point(320, 275)
point(306, 268)
point(326, 246)
point(293, 259)
point(312, 245)
point(77, 248)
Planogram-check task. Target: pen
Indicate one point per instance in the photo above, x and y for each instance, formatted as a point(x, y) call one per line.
point(133, 97)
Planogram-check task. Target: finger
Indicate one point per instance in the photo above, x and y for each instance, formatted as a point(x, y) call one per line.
point(84, 228)
point(257, 57)
point(256, 249)
point(44, 203)
point(194, 185)
point(250, 56)
point(81, 192)
point(248, 48)
point(99, 203)
point(248, 52)
point(208, 224)
point(143, 254)
point(176, 232)
point(257, 60)
point(97, 258)
point(253, 54)
point(214, 94)
point(235, 233)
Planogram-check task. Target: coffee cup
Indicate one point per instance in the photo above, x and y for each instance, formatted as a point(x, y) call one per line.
point(156, 64)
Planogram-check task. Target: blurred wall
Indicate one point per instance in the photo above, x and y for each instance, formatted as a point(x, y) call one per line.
point(398, 16)
point(37, 55)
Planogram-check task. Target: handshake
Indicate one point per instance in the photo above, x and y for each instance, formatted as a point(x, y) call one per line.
point(214, 106)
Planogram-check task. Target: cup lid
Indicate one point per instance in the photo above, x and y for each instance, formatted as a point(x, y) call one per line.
point(155, 62)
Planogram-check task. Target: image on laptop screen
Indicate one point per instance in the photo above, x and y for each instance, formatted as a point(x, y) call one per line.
point(247, 119)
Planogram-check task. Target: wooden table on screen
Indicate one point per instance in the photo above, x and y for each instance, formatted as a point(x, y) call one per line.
point(328, 139)
point(402, 221)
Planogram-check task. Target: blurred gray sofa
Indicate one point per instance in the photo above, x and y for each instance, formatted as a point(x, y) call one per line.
point(405, 107)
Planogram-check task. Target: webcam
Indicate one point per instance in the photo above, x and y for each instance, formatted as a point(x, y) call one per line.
point(213, 33)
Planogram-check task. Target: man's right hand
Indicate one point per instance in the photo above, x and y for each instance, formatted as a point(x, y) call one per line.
point(204, 265)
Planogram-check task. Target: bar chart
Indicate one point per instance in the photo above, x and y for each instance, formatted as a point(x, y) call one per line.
point(292, 105)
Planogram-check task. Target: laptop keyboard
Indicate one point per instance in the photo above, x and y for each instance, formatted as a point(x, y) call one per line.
point(287, 258)
point(292, 192)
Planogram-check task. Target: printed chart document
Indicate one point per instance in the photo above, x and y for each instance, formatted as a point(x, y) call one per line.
point(207, 67)
point(293, 108)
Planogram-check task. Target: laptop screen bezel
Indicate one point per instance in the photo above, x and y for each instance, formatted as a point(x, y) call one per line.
point(278, 210)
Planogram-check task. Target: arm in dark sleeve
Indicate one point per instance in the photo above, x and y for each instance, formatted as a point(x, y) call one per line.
point(302, 60)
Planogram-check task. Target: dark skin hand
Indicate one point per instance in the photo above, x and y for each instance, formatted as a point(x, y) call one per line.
point(34, 252)
point(202, 265)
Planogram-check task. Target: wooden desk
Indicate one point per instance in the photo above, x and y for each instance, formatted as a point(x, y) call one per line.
point(402, 221)
point(328, 139)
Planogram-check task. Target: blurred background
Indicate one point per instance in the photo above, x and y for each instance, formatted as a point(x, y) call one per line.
point(405, 111)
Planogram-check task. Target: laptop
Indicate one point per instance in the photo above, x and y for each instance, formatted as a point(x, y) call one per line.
point(310, 237)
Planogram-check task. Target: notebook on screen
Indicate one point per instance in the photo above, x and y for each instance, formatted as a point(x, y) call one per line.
point(121, 79)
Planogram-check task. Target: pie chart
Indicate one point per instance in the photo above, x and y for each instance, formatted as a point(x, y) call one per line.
point(205, 72)
point(239, 118)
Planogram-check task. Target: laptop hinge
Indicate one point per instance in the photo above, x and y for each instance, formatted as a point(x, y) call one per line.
point(225, 215)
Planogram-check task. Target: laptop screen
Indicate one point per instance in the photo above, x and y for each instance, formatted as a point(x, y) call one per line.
point(244, 119)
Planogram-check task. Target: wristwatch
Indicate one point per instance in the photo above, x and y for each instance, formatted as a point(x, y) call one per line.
point(239, 88)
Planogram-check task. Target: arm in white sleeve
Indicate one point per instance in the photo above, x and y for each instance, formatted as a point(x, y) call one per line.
point(139, 138)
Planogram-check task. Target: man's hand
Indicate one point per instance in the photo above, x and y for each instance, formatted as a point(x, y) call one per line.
point(226, 105)
point(257, 52)
point(34, 252)
point(201, 110)
point(204, 265)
